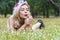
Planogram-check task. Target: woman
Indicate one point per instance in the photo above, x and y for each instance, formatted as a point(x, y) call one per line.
point(21, 18)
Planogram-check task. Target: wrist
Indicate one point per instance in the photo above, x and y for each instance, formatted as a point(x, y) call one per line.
point(26, 24)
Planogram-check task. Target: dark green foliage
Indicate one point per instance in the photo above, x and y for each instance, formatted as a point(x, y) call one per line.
point(38, 7)
point(6, 6)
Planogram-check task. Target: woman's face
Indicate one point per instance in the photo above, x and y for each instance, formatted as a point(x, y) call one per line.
point(24, 11)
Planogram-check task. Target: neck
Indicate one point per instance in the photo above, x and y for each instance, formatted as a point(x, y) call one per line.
point(22, 20)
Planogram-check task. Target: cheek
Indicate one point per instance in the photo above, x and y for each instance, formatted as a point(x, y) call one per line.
point(21, 13)
point(29, 13)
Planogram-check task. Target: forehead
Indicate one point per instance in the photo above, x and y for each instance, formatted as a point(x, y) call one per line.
point(24, 6)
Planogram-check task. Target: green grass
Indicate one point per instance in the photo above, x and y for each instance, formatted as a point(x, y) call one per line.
point(50, 32)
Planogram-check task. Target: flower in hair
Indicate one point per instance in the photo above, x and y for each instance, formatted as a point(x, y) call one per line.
point(16, 4)
point(20, 2)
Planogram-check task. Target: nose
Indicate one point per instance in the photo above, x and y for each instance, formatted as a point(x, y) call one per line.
point(26, 12)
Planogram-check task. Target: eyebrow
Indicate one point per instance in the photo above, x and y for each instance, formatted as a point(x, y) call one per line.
point(23, 8)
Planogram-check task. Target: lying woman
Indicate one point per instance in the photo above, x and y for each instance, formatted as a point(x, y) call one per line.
point(21, 18)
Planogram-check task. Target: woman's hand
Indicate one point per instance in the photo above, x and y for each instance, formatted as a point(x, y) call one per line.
point(28, 20)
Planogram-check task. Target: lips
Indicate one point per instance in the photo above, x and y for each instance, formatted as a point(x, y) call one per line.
point(26, 15)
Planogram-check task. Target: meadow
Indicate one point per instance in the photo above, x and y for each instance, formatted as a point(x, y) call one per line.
point(50, 32)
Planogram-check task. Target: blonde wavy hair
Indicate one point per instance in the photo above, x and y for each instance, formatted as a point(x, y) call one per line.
point(16, 17)
point(16, 9)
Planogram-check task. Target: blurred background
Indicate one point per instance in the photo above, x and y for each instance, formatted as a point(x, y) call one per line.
point(49, 10)
point(39, 8)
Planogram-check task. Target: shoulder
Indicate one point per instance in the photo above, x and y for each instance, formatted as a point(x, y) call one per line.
point(10, 18)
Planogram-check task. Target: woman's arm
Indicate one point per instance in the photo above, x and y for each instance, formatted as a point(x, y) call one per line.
point(27, 24)
point(23, 27)
point(10, 24)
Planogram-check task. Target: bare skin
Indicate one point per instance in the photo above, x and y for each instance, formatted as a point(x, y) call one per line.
point(24, 13)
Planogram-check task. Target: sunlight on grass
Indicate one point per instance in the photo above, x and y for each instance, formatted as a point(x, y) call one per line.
point(50, 32)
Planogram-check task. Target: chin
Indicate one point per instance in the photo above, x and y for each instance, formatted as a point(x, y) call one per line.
point(25, 17)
